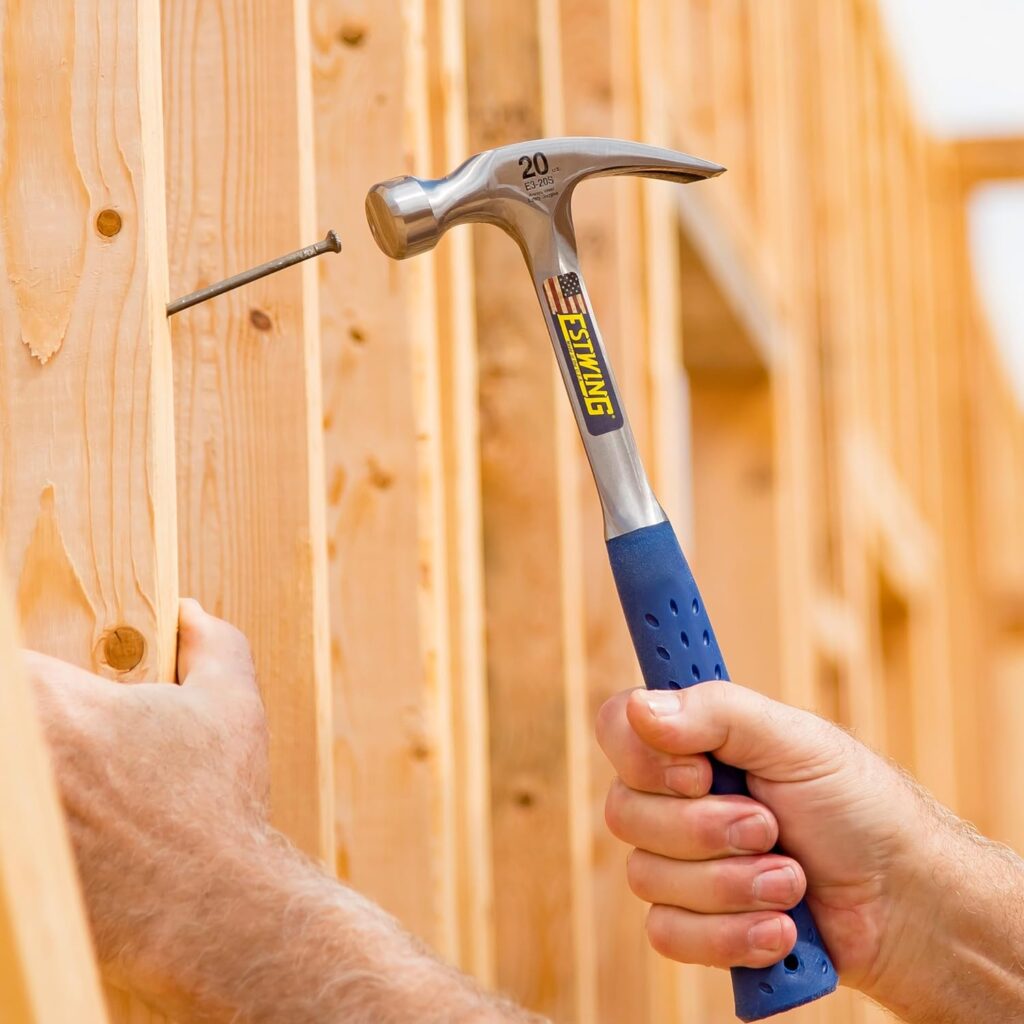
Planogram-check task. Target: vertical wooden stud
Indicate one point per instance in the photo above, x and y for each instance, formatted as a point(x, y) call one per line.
point(87, 499)
point(47, 970)
point(386, 531)
point(540, 803)
point(461, 433)
point(247, 370)
point(87, 461)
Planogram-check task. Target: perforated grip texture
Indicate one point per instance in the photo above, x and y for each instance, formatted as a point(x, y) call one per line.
point(676, 648)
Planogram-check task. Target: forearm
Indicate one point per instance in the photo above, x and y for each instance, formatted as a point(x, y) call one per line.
point(966, 937)
point(274, 939)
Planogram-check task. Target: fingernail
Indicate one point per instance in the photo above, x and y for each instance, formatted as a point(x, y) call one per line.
point(683, 779)
point(776, 886)
point(661, 703)
point(766, 934)
point(750, 835)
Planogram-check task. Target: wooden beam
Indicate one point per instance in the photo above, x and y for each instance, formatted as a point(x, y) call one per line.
point(540, 801)
point(47, 970)
point(990, 159)
point(599, 85)
point(386, 529)
point(87, 462)
point(87, 499)
point(461, 435)
point(247, 370)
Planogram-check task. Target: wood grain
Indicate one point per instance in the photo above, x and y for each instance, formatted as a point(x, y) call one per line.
point(457, 354)
point(599, 89)
point(385, 520)
point(241, 184)
point(87, 456)
point(532, 562)
point(47, 968)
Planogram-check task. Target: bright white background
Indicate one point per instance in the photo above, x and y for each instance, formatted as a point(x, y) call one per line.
point(964, 62)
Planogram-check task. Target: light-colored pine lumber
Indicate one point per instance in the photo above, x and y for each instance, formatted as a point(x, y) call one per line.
point(990, 159)
point(599, 84)
point(240, 178)
point(461, 437)
point(87, 461)
point(87, 501)
point(385, 518)
point(538, 723)
point(47, 969)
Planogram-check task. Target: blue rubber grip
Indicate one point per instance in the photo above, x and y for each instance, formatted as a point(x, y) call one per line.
point(676, 647)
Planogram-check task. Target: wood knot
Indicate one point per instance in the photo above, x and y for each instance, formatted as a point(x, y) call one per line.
point(124, 648)
point(379, 476)
point(260, 320)
point(524, 798)
point(357, 334)
point(108, 223)
point(352, 34)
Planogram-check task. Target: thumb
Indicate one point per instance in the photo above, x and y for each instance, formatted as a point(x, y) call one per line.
point(740, 727)
point(211, 652)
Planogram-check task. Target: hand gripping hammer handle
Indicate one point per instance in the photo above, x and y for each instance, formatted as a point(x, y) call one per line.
point(526, 189)
point(676, 647)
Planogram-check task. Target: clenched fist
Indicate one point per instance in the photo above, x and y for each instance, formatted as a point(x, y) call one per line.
point(893, 879)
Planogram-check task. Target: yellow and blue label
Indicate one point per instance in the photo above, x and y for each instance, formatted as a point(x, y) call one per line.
point(575, 331)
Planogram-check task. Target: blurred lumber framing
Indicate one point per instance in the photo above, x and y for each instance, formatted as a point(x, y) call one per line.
point(372, 469)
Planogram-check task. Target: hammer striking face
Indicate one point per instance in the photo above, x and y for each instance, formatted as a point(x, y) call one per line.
point(526, 190)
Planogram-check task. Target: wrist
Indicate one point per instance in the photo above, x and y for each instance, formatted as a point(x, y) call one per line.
point(955, 938)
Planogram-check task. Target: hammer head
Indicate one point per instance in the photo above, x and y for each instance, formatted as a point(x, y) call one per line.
point(522, 189)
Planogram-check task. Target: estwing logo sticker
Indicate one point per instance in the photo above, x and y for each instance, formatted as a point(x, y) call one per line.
point(575, 331)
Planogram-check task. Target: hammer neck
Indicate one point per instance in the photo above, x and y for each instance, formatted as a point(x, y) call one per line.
point(627, 500)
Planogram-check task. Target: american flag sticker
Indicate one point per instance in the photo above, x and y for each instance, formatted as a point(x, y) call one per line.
point(574, 328)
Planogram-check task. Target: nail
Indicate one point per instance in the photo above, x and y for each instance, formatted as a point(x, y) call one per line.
point(750, 835)
point(776, 886)
point(662, 704)
point(766, 934)
point(683, 779)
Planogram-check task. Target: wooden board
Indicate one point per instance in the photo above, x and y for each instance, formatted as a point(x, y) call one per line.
point(599, 85)
point(461, 438)
point(535, 664)
point(87, 460)
point(87, 503)
point(240, 180)
point(990, 159)
point(385, 521)
point(47, 970)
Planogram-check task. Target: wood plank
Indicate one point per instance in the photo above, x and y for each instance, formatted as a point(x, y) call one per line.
point(47, 969)
point(87, 501)
point(532, 574)
point(247, 371)
point(87, 461)
point(675, 991)
point(461, 436)
point(990, 159)
point(600, 90)
point(387, 558)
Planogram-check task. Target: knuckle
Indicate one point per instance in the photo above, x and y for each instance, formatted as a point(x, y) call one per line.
point(726, 885)
point(726, 941)
point(660, 932)
point(704, 829)
point(638, 874)
point(610, 717)
point(614, 808)
point(602, 724)
point(713, 694)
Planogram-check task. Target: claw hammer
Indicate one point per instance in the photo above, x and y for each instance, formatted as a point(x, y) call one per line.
point(527, 190)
